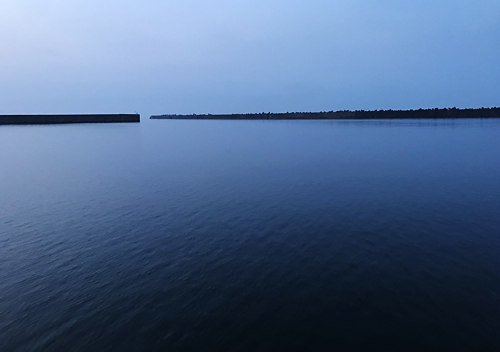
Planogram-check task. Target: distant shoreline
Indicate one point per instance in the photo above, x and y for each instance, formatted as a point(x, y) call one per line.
point(347, 114)
point(65, 119)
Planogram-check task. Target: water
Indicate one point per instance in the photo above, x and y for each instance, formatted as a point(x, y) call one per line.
point(251, 236)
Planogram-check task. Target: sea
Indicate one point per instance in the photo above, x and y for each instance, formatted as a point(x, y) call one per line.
point(220, 235)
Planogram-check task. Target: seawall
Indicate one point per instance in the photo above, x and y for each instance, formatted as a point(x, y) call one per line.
point(346, 114)
point(62, 119)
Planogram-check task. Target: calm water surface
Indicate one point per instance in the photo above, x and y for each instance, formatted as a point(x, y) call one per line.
point(251, 236)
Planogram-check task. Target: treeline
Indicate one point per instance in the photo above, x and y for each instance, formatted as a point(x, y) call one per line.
point(445, 113)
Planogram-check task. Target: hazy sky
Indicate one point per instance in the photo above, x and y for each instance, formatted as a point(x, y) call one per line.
point(223, 56)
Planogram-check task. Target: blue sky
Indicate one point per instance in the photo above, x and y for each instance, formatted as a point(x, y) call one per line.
point(221, 56)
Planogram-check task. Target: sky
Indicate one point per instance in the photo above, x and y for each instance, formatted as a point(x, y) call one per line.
point(242, 56)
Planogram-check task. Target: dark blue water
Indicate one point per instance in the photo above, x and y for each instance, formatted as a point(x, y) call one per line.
point(251, 236)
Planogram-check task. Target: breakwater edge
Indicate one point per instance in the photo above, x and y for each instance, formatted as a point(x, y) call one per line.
point(63, 119)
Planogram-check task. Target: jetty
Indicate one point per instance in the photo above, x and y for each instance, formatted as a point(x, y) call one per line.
point(64, 119)
point(447, 113)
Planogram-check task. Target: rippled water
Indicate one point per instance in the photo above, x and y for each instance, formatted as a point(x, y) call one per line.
point(251, 236)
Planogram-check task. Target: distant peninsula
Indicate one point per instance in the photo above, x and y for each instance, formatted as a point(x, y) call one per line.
point(451, 113)
point(64, 119)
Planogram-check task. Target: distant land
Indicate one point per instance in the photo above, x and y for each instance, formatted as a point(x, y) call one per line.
point(450, 113)
point(62, 119)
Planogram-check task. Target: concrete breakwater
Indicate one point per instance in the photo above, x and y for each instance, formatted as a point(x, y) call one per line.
point(61, 119)
point(347, 114)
